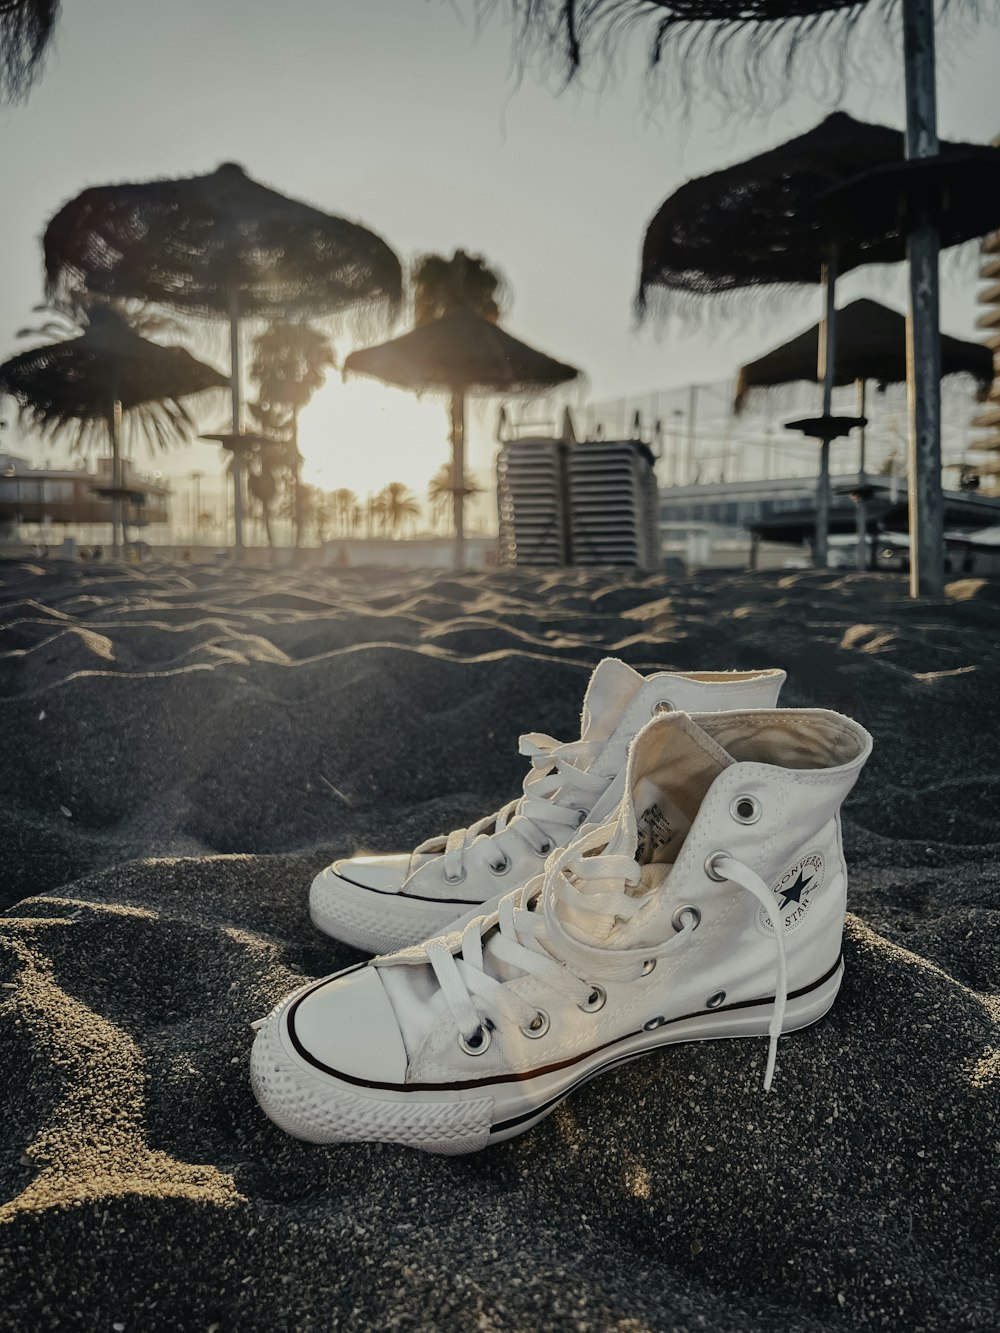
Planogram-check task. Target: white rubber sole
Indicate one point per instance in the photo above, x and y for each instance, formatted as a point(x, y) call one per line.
point(322, 1108)
point(380, 922)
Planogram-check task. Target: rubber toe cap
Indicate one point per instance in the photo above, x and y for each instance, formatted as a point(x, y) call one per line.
point(384, 874)
point(347, 1026)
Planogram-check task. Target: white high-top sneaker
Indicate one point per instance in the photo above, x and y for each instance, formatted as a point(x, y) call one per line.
point(385, 902)
point(711, 905)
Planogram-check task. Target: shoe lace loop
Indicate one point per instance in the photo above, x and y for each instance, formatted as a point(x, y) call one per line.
point(545, 814)
point(737, 872)
point(531, 938)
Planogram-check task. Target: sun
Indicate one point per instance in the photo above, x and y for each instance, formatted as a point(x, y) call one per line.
point(361, 435)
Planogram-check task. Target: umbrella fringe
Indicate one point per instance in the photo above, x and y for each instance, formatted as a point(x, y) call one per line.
point(734, 50)
point(26, 27)
point(716, 311)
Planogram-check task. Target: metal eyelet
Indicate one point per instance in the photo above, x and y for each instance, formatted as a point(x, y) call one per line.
point(476, 1048)
point(595, 1000)
point(502, 868)
point(454, 879)
point(710, 869)
point(583, 817)
point(648, 966)
point(687, 910)
point(538, 1026)
point(745, 809)
point(545, 848)
point(715, 999)
point(662, 706)
point(653, 1024)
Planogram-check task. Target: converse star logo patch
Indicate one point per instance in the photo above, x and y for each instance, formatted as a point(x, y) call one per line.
point(794, 893)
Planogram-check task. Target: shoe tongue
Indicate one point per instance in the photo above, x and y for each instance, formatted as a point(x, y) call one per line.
point(672, 765)
point(611, 688)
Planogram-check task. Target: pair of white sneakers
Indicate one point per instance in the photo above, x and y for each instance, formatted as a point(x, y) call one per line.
point(676, 874)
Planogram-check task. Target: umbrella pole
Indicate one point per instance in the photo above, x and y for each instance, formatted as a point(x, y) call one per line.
point(114, 434)
point(458, 472)
point(827, 371)
point(923, 343)
point(234, 383)
point(862, 510)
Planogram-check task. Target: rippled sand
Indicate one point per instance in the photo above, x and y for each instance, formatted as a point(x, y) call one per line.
point(182, 748)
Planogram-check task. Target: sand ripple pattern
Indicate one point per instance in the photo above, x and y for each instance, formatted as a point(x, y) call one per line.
point(183, 748)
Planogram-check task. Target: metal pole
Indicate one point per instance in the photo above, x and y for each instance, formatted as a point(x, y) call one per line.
point(115, 425)
point(234, 384)
point(862, 510)
point(196, 478)
point(458, 472)
point(923, 343)
point(692, 416)
point(827, 370)
point(727, 440)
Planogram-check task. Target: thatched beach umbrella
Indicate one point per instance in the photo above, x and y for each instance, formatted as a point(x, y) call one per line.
point(26, 27)
point(221, 246)
point(83, 385)
point(761, 223)
point(747, 44)
point(871, 345)
point(461, 353)
point(767, 222)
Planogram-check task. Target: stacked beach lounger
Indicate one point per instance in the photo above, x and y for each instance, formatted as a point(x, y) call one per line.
point(612, 504)
point(589, 503)
point(530, 500)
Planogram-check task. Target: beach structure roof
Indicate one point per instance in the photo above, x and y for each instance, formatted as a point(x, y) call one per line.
point(460, 350)
point(871, 345)
point(80, 379)
point(964, 512)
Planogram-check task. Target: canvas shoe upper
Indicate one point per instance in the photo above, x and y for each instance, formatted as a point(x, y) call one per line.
point(386, 902)
point(711, 904)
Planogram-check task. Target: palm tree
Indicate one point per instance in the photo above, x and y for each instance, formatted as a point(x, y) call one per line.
point(344, 503)
point(264, 481)
point(395, 505)
point(290, 362)
point(315, 510)
point(160, 422)
point(440, 493)
point(99, 371)
point(462, 282)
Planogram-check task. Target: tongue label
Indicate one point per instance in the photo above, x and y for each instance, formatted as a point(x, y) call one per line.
point(655, 830)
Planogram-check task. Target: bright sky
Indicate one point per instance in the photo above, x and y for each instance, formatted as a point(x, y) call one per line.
point(404, 115)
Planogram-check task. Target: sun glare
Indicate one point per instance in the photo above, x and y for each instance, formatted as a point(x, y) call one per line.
point(362, 435)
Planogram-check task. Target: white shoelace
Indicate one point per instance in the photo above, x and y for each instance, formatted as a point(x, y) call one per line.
point(537, 943)
point(544, 815)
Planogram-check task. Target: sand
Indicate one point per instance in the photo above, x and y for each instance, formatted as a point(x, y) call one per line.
point(183, 748)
